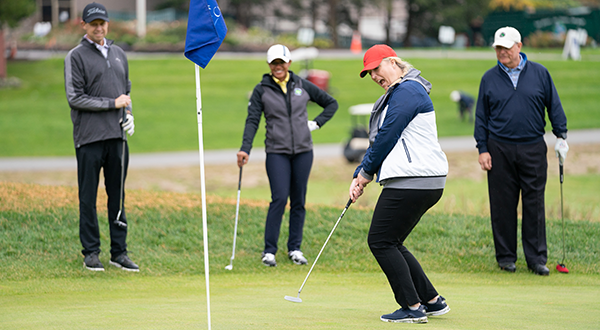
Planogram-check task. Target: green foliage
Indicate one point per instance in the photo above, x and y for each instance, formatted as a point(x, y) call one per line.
point(12, 11)
point(541, 39)
point(171, 33)
point(177, 4)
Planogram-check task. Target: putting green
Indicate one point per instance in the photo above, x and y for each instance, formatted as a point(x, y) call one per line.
point(330, 301)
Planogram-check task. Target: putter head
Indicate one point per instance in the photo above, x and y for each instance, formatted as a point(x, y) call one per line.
point(293, 299)
point(120, 223)
point(562, 268)
point(229, 267)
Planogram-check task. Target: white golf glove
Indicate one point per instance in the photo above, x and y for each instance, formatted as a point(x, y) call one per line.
point(561, 148)
point(312, 125)
point(128, 125)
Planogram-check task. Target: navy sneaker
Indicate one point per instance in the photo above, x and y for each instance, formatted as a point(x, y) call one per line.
point(439, 307)
point(406, 315)
point(122, 261)
point(92, 262)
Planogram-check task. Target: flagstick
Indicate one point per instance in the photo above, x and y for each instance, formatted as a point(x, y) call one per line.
point(203, 190)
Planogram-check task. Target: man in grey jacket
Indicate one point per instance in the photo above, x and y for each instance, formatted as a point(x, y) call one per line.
point(97, 87)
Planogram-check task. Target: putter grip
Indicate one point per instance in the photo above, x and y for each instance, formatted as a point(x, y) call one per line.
point(561, 172)
point(124, 116)
point(349, 202)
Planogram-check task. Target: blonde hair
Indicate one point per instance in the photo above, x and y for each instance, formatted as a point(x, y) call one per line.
point(402, 64)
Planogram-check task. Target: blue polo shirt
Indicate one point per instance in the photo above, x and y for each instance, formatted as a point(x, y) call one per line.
point(515, 112)
point(513, 74)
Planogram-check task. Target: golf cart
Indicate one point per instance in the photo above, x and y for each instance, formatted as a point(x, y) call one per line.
point(318, 77)
point(357, 145)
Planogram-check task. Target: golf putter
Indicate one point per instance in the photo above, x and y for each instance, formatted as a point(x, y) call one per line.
point(561, 266)
point(237, 212)
point(117, 221)
point(297, 299)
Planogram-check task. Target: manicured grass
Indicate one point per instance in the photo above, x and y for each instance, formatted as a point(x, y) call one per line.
point(36, 120)
point(43, 284)
point(117, 300)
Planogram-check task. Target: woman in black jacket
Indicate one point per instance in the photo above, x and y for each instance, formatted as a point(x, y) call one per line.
point(282, 96)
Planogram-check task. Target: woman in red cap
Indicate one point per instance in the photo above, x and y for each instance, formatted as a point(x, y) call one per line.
point(412, 168)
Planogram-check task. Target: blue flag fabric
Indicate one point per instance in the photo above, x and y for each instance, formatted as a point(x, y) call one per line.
point(206, 30)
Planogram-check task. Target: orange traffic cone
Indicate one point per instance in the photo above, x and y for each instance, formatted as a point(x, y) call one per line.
point(356, 44)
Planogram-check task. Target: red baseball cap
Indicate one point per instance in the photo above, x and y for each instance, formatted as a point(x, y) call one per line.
point(373, 57)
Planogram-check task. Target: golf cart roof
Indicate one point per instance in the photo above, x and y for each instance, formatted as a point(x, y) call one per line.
point(361, 109)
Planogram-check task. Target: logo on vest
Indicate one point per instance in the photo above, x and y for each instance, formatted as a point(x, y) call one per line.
point(297, 91)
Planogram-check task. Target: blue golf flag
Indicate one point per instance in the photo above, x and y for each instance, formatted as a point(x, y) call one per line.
point(206, 30)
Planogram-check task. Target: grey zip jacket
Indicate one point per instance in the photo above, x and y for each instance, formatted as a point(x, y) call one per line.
point(92, 83)
point(285, 114)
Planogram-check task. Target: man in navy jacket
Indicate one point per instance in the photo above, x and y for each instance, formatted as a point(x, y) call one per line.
point(509, 130)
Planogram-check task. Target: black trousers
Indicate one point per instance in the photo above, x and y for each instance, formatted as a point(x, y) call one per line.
point(518, 169)
point(90, 159)
point(396, 214)
point(288, 177)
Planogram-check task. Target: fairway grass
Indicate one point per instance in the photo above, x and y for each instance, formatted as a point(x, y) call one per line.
point(118, 300)
point(36, 120)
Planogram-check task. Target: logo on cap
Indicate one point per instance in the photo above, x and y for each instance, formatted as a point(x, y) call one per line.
point(96, 10)
point(502, 35)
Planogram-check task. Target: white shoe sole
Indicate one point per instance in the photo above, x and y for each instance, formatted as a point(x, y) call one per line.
point(300, 262)
point(123, 268)
point(93, 269)
point(440, 312)
point(407, 320)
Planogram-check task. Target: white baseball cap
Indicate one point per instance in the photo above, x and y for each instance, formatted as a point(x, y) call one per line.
point(506, 37)
point(455, 96)
point(278, 52)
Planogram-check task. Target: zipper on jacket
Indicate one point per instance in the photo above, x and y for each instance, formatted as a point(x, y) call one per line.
point(406, 150)
point(289, 108)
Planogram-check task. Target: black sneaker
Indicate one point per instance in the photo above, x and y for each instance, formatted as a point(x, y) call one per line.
point(508, 266)
point(439, 307)
point(539, 269)
point(92, 262)
point(122, 261)
point(406, 315)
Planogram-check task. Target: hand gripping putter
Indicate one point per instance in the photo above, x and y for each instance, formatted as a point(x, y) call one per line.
point(297, 299)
